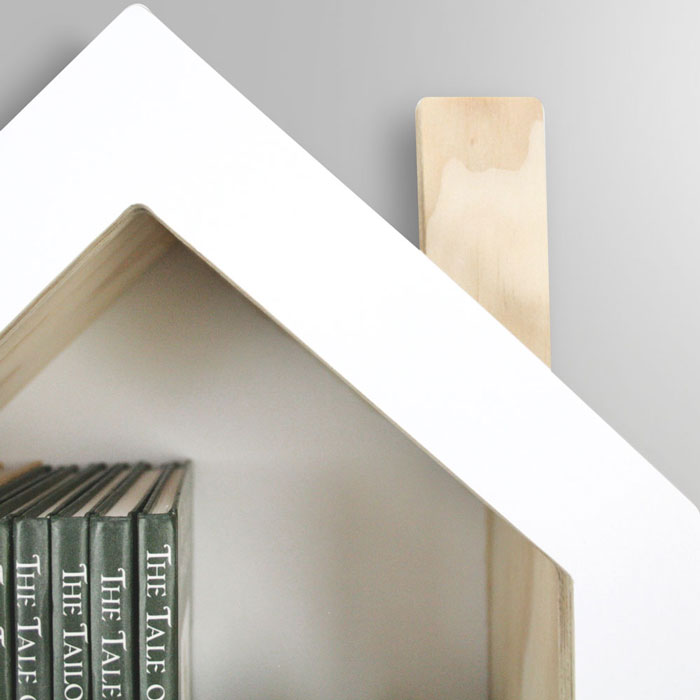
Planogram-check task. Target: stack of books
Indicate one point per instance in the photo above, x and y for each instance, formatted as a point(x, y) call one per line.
point(95, 582)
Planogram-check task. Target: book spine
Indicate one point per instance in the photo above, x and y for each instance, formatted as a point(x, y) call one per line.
point(112, 581)
point(71, 608)
point(184, 584)
point(7, 602)
point(33, 666)
point(158, 606)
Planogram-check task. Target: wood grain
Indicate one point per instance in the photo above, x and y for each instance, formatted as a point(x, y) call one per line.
point(118, 257)
point(530, 619)
point(483, 206)
point(483, 220)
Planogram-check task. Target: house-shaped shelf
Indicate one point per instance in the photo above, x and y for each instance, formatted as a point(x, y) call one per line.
point(333, 388)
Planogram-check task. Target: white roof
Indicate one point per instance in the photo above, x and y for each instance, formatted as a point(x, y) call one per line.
point(139, 118)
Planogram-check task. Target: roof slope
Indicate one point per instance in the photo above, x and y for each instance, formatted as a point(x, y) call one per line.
point(139, 118)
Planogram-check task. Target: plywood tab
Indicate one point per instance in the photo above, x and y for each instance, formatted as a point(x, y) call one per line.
point(483, 219)
point(482, 201)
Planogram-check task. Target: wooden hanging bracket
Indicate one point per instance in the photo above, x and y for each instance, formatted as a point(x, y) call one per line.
point(482, 201)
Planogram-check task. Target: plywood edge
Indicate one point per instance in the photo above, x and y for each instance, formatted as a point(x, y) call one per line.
point(567, 657)
point(483, 220)
point(419, 175)
point(71, 302)
point(530, 618)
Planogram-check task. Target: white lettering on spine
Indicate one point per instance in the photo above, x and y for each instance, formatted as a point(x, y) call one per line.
point(74, 645)
point(27, 638)
point(111, 672)
point(75, 637)
point(72, 590)
point(158, 620)
point(25, 584)
point(28, 635)
point(112, 650)
point(111, 588)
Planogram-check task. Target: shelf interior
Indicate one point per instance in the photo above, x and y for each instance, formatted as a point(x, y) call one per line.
point(333, 558)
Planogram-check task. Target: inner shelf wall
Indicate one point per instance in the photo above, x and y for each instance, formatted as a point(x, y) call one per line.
point(345, 562)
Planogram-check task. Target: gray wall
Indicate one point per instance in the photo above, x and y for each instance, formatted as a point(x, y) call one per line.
point(619, 81)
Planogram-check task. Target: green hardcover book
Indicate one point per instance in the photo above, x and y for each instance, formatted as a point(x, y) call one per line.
point(164, 556)
point(31, 544)
point(14, 483)
point(113, 587)
point(8, 509)
point(69, 587)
